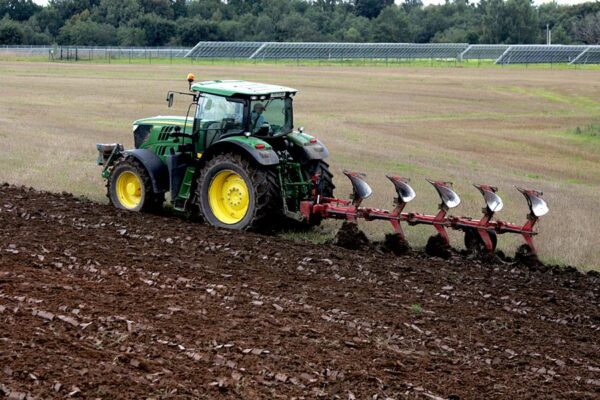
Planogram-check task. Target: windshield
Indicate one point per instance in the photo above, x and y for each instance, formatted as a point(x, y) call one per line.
point(271, 117)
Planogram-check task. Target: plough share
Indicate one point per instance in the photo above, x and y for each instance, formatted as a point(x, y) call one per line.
point(480, 234)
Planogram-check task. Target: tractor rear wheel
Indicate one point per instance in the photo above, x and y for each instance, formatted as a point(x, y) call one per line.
point(326, 185)
point(233, 193)
point(129, 187)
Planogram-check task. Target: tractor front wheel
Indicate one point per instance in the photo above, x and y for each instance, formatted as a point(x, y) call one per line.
point(129, 187)
point(236, 194)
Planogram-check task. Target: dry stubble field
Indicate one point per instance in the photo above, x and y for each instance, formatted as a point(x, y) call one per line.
point(512, 126)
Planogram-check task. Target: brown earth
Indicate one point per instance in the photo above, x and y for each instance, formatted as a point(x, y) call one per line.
point(98, 303)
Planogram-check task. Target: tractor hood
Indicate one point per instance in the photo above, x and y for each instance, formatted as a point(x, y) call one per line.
point(160, 121)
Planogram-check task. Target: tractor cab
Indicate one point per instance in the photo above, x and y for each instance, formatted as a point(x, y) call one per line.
point(230, 108)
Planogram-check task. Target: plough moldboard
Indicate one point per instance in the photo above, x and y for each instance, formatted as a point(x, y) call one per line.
point(480, 234)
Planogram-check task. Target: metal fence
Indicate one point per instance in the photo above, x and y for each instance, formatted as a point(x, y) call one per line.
point(500, 54)
point(483, 52)
point(327, 51)
point(542, 54)
point(88, 53)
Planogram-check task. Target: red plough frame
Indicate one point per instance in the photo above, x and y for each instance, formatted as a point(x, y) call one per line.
point(486, 228)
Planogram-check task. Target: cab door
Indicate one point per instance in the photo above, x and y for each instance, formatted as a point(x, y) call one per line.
point(217, 117)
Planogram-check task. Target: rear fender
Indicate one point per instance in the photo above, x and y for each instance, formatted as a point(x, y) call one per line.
point(244, 145)
point(158, 171)
point(307, 148)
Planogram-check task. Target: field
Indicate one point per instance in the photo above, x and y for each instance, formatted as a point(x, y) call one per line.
point(97, 303)
point(100, 303)
point(534, 127)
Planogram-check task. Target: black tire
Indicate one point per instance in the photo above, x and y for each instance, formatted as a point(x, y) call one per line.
point(474, 243)
point(264, 200)
point(150, 201)
point(326, 185)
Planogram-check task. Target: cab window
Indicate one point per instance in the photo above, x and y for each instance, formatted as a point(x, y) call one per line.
point(218, 116)
point(271, 117)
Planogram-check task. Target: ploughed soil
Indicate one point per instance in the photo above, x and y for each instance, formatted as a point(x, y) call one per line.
point(100, 303)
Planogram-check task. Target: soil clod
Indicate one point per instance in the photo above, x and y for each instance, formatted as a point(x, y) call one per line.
point(349, 236)
point(437, 247)
point(394, 243)
point(525, 256)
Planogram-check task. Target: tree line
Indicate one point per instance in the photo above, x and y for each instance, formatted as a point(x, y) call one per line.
point(185, 22)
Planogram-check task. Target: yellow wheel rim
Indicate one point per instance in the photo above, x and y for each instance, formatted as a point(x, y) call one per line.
point(228, 197)
point(129, 190)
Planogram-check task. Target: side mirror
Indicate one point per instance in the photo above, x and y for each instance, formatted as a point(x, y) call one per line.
point(170, 99)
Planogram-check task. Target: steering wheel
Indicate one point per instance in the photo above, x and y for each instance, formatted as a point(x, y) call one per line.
point(264, 130)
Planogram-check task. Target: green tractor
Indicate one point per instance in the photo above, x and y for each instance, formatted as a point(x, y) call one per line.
point(235, 160)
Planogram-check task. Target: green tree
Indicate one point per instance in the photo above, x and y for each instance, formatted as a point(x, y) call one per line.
point(129, 36)
point(192, 31)
point(18, 10)
point(297, 28)
point(161, 8)
point(88, 33)
point(159, 30)
point(587, 29)
point(264, 29)
point(410, 5)
point(68, 8)
point(560, 35)
point(117, 12)
point(359, 30)
point(371, 8)
point(203, 8)
point(521, 22)
point(179, 8)
point(456, 35)
point(162, 22)
point(48, 20)
point(11, 32)
point(493, 21)
point(392, 25)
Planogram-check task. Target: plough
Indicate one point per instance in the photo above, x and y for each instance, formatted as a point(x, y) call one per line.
point(480, 234)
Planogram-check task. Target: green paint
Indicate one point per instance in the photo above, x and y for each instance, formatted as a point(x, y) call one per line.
point(250, 141)
point(185, 189)
point(300, 138)
point(161, 121)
